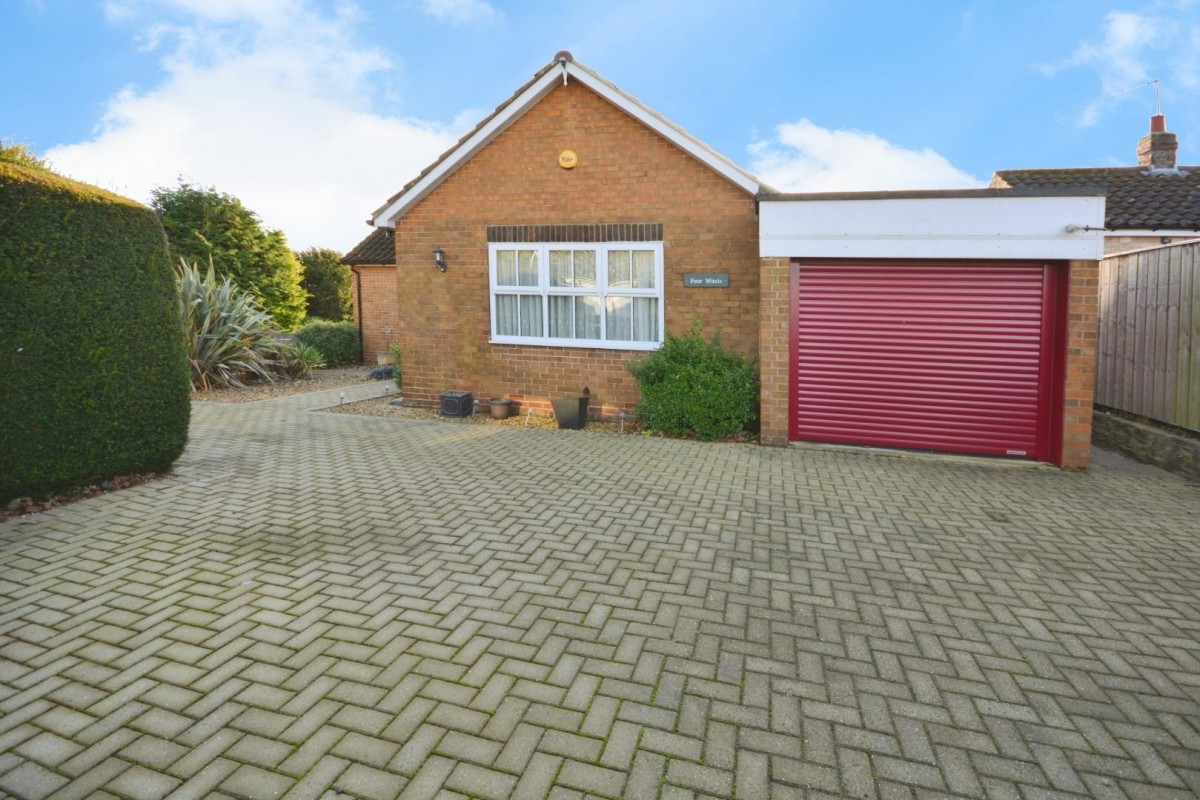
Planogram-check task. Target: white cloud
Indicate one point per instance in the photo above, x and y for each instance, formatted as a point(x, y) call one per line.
point(1130, 49)
point(1189, 64)
point(263, 11)
point(804, 157)
point(268, 101)
point(462, 12)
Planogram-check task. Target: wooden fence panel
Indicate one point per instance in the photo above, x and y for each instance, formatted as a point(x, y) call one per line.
point(1149, 340)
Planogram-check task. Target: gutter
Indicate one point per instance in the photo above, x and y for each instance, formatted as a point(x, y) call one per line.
point(362, 350)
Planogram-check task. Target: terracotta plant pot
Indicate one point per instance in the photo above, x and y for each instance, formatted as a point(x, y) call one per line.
point(500, 407)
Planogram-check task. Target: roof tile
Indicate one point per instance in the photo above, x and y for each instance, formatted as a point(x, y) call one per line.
point(1138, 197)
point(378, 248)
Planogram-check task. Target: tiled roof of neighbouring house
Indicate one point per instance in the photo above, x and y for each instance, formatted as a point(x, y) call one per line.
point(1142, 198)
point(378, 248)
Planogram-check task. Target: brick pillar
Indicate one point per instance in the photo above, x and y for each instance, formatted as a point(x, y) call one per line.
point(774, 310)
point(1080, 387)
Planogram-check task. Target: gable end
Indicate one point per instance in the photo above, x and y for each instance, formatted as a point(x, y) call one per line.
point(525, 98)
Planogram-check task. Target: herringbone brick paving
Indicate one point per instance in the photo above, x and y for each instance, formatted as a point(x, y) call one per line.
point(322, 605)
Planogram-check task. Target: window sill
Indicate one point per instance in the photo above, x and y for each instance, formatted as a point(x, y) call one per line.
point(575, 344)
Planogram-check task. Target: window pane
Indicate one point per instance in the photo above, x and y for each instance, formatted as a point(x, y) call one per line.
point(527, 267)
point(585, 268)
point(643, 269)
point(531, 315)
point(619, 319)
point(568, 301)
point(506, 267)
point(506, 315)
point(560, 268)
point(618, 268)
point(645, 319)
point(587, 317)
point(561, 324)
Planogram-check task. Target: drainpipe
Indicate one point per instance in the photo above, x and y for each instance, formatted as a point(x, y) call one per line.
point(362, 349)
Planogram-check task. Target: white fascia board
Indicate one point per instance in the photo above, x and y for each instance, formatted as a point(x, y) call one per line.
point(387, 217)
point(659, 125)
point(950, 227)
point(464, 150)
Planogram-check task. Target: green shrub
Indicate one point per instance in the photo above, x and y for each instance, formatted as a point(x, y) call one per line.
point(228, 338)
point(93, 377)
point(396, 364)
point(693, 386)
point(298, 360)
point(337, 341)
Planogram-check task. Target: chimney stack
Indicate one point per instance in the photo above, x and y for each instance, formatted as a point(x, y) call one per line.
point(1157, 148)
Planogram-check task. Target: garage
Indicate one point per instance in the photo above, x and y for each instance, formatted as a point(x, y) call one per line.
point(957, 321)
point(934, 355)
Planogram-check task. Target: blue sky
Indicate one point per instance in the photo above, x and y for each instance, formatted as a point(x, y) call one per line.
point(315, 111)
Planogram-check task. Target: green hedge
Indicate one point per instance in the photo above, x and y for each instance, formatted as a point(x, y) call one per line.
point(93, 377)
point(337, 341)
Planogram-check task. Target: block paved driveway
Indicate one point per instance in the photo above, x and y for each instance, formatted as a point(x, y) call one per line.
point(340, 606)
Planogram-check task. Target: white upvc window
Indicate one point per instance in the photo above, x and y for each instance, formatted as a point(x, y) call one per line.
point(577, 295)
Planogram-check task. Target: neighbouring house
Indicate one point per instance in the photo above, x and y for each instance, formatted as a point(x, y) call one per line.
point(373, 262)
point(573, 227)
point(1154, 203)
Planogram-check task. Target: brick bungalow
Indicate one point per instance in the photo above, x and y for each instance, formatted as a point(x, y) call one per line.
point(573, 227)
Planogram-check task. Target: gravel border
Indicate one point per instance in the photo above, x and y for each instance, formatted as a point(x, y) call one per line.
point(320, 380)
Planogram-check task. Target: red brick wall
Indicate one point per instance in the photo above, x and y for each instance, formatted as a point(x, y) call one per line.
point(1083, 306)
point(626, 173)
point(378, 309)
point(774, 349)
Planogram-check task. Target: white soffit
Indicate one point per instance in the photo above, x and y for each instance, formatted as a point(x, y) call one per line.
point(386, 217)
point(955, 226)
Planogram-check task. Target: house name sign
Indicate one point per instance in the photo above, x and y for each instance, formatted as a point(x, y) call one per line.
point(706, 280)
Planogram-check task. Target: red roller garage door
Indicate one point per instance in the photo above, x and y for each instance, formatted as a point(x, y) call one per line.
point(957, 357)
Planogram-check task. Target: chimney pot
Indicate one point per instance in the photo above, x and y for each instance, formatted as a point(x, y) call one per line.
point(1158, 123)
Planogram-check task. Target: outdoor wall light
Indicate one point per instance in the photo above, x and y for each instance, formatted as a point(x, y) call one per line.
point(439, 258)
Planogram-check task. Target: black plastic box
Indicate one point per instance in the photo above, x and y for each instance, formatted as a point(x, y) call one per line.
point(457, 404)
